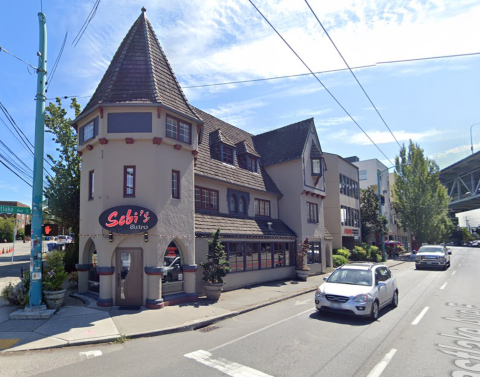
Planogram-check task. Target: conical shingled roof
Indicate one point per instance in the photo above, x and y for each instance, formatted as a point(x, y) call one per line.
point(140, 73)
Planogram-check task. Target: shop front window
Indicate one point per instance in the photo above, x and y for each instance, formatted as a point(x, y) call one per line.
point(172, 265)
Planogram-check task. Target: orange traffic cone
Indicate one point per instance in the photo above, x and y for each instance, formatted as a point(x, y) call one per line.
point(3, 251)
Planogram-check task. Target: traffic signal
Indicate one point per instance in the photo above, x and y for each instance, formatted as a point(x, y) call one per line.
point(50, 230)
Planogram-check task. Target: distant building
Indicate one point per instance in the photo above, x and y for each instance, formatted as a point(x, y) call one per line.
point(372, 173)
point(20, 219)
point(342, 204)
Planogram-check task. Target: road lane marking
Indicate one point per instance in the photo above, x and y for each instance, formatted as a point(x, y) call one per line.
point(304, 302)
point(255, 332)
point(228, 367)
point(453, 273)
point(90, 354)
point(443, 286)
point(380, 367)
point(420, 316)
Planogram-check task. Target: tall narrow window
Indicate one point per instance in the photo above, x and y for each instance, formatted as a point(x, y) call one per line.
point(262, 207)
point(227, 155)
point(175, 184)
point(91, 180)
point(129, 181)
point(242, 206)
point(232, 205)
point(252, 164)
point(312, 209)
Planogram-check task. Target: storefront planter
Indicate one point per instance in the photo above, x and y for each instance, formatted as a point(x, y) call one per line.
point(54, 299)
point(213, 290)
point(302, 275)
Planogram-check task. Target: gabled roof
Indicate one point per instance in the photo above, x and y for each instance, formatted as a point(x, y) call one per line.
point(140, 73)
point(315, 152)
point(209, 164)
point(217, 137)
point(283, 144)
point(245, 147)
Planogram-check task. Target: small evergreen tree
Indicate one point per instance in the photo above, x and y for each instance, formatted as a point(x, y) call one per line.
point(216, 267)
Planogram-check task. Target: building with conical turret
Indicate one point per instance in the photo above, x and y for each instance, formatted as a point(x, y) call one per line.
point(159, 176)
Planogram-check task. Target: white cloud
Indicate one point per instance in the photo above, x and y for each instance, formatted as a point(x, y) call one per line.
point(308, 113)
point(237, 113)
point(224, 39)
point(329, 122)
point(455, 151)
point(384, 137)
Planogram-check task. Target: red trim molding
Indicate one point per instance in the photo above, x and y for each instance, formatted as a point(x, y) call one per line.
point(129, 140)
point(100, 111)
point(177, 147)
point(79, 153)
point(195, 152)
point(159, 112)
point(89, 147)
point(103, 141)
point(157, 140)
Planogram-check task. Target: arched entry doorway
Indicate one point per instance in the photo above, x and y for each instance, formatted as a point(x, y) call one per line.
point(172, 281)
point(129, 279)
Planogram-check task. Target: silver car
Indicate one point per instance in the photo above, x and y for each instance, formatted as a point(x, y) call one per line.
point(437, 256)
point(361, 289)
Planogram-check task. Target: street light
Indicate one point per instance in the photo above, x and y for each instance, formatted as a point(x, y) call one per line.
point(471, 137)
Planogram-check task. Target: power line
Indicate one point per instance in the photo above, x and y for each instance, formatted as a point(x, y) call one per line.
point(1, 162)
point(353, 74)
point(86, 23)
point(334, 98)
point(287, 76)
point(55, 65)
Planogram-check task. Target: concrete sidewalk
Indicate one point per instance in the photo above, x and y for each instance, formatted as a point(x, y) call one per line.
point(81, 321)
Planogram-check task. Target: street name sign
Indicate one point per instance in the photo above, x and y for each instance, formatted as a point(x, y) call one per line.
point(19, 210)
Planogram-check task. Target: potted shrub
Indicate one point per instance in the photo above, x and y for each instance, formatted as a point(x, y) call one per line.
point(53, 276)
point(215, 268)
point(8, 293)
point(18, 294)
point(302, 253)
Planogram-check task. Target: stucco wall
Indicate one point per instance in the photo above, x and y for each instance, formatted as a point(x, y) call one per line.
point(153, 183)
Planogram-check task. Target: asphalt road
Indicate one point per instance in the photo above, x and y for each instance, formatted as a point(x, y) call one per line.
point(427, 335)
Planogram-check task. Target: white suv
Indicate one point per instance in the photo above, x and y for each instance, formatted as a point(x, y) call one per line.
point(360, 288)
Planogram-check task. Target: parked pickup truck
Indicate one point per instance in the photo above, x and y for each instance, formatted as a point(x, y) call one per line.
point(437, 256)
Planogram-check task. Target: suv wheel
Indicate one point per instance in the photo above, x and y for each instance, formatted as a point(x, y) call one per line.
point(375, 311)
point(395, 299)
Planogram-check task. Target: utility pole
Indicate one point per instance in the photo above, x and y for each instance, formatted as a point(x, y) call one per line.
point(35, 300)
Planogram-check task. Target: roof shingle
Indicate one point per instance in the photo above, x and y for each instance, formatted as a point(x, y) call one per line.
point(140, 73)
point(207, 223)
point(283, 144)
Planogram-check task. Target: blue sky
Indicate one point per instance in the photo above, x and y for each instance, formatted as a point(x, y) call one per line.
point(432, 102)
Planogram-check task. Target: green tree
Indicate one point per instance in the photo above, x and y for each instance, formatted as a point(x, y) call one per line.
point(216, 267)
point(371, 220)
point(6, 228)
point(421, 200)
point(63, 189)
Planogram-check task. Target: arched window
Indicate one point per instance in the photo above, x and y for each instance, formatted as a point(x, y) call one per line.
point(242, 205)
point(232, 205)
point(93, 278)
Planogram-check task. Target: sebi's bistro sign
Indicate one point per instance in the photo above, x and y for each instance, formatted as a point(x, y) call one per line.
point(128, 219)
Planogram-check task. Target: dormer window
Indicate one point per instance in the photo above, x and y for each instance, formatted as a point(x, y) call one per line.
point(316, 166)
point(227, 155)
point(252, 164)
